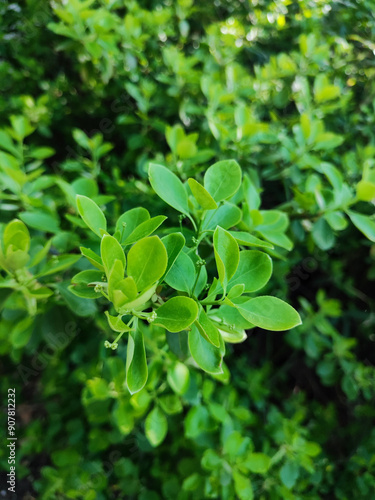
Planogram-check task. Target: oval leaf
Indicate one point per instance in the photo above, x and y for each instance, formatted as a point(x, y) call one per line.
point(202, 196)
point(223, 179)
point(227, 255)
point(168, 187)
point(207, 356)
point(110, 250)
point(177, 314)
point(269, 313)
point(156, 427)
point(91, 214)
point(136, 364)
point(147, 261)
point(254, 270)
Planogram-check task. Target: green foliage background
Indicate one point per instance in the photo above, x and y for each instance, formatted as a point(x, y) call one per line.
point(90, 93)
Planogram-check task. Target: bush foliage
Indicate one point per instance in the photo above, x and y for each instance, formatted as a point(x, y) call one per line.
point(177, 179)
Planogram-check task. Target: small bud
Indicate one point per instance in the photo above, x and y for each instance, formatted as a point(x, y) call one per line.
point(114, 346)
point(195, 240)
point(107, 344)
point(201, 263)
point(98, 288)
point(152, 317)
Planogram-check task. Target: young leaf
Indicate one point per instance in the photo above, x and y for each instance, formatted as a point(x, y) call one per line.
point(248, 240)
point(202, 196)
point(364, 224)
point(136, 364)
point(223, 179)
point(177, 314)
point(16, 234)
point(80, 284)
point(145, 229)
point(207, 329)
point(116, 323)
point(110, 250)
point(139, 301)
point(91, 214)
point(206, 355)
point(168, 187)
point(254, 270)
point(156, 427)
point(92, 257)
point(173, 243)
point(269, 313)
point(147, 262)
point(131, 219)
point(227, 255)
point(115, 276)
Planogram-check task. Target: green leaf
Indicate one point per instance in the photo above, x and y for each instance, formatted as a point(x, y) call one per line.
point(41, 221)
point(277, 238)
point(92, 257)
point(181, 276)
point(257, 462)
point(178, 377)
point(139, 301)
point(206, 355)
point(177, 314)
point(110, 250)
point(147, 261)
point(17, 235)
point(322, 234)
point(156, 427)
point(226, 216)
point(21, 333)
point(171, 404)
point(136, 364)
point(289, 474)
point(231, 324)
point(80, 284)
point(79, 306)
point(202, 196)
point(207, 329)
point(168, 187)
point(58, 264)
point(145, 229)
point(254, 270)
point(40, 293)
point(115, 276)
point(236, 291)
point(116, 323)
point(130, 220)
point(364, 224)
point(242, 485)
point(248, 240)
point(197, 422)
point(223, 179)
point(227, 255)
point(336, 220)
point(173, 243)
point(40, 255)
point(365, 190)
point(91, 214)
point(269, 313)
